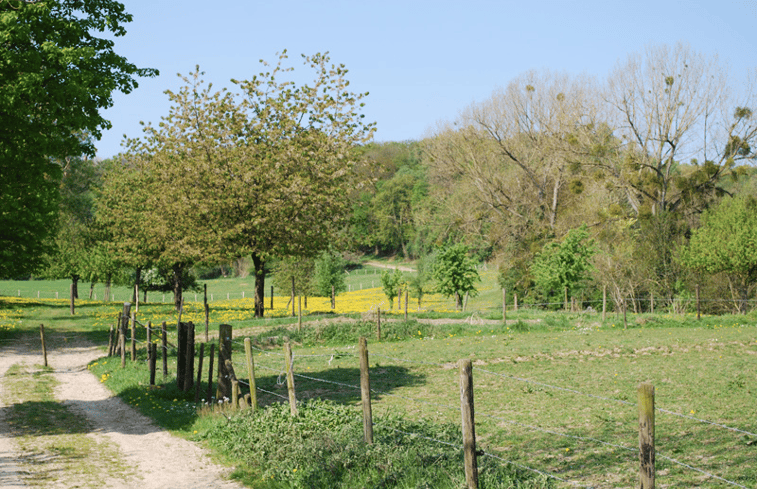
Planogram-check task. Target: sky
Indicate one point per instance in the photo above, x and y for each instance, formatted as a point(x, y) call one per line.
point(421, 61)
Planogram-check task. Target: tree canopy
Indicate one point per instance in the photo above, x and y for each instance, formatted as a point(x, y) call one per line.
point(57, 75)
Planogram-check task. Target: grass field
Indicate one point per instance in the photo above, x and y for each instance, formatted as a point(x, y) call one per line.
point(554, 392)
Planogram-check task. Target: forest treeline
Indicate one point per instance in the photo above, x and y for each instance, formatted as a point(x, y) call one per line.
point(641, 184)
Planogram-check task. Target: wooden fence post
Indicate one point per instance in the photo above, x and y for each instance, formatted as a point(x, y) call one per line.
point(44, 346)
point(199, 373)
point(405, 305)
point(189, 358)
point(468, 426)
point(604, 302)
point(378, 324)
point(224, 353)
point(149, 340)
point(153, 358)
point(651, 302)
point(272, 297)
point(251, 374)
point(293, 311)
point(133, 336)
point(333, 297)
point(164, 338)
point(290, 378)
point(646, 436)
point(365, 391)
point(699, 315)
point(210, 372)
point(504, 305)
point(181, 354)
point(299, 313)
point(110, 341)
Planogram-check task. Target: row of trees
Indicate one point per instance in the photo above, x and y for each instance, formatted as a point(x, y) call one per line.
point(636, 159)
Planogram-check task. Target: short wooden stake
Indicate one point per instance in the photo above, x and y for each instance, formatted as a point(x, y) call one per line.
point(468, 424)
point(235, 394)
point(515, 302)
point(251, 374)
point(646, 436)
point(378, 324)
point(405, 304)
point(290, 378)
point(44, 346)
point(198, 385)
point(181, 354)
point(210, 373)
point(365, 391)
point(122, 346)
point(272, 297)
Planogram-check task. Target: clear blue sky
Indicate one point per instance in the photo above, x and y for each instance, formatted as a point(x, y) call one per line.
point(421, 61)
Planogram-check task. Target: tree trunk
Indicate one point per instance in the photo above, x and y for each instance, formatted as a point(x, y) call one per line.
point(138, 280)
point(75, 283)
point(108, 278)
point(178, 286)
point(91, 289)
point(259, 264)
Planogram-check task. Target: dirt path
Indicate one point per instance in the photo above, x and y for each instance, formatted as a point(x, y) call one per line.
point(155, 458)
point(401, 268)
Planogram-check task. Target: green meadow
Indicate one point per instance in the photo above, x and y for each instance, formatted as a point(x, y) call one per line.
point(555, 392)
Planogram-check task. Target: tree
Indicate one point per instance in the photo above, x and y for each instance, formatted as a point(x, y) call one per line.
point(57, 77)
point(455, 273)
point(726, 243)
point(391, 282)
point(673, 105)
point(329, 275)
point(566, 265)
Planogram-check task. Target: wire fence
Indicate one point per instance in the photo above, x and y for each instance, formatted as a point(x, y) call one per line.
point(282, 368)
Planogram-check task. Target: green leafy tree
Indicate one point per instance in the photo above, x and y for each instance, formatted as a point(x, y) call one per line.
point(726, 243)
point(57, 76)
point(329, 274)
point(391, 282)
point(564, 265)
point(455, 273)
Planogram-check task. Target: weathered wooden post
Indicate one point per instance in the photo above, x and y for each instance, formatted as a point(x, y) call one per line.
point(207, 314)
point(646, 436)
point(333, 297)
point(378, 324)
point(133, 336)
point(181, 354)
point(604, 302)
point(293, 311)
point(164, 341)
point(272, 297)
point(468, 426)
point(153, 358)
point(699, 311)
point(224, 353)
point(198, 385)
point(211, 357)
point(44, 346)
point(299, 313)
point(504, 305)
point(405, 305)
point(365, 392)
point(149, 339)
point(290, 378)
point(189, 358)
point(251, 374)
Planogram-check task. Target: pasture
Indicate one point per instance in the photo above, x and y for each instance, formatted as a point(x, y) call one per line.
point(554, 392)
